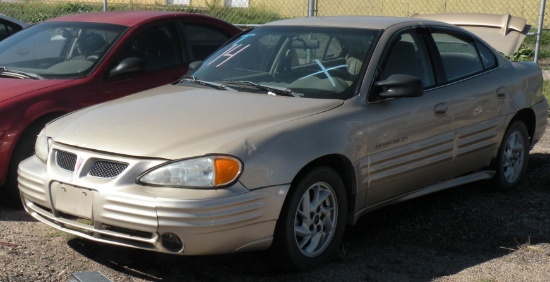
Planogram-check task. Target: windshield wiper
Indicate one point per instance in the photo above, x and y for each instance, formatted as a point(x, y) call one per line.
point(219, 86)
point(271, 90)
point(18, 74)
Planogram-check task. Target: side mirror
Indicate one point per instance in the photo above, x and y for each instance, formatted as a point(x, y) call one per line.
point(400, 85)
point(128, 66)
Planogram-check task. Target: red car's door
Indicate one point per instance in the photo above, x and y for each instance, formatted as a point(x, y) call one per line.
point(166, 50)
point(158, 48)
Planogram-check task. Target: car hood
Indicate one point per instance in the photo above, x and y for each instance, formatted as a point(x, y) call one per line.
point(174, 121)
point(13, 87)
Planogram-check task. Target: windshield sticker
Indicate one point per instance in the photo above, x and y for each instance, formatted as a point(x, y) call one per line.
point(325, 71)
point(230, 53)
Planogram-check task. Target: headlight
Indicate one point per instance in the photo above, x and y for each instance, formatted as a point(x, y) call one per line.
point(42, 146)
point(205, 172)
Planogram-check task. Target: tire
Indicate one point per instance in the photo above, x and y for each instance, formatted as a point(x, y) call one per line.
point(23, 149)
point(309, 231)
point(513, 157)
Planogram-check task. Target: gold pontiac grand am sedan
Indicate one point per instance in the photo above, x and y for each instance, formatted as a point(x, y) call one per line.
point(289, 133)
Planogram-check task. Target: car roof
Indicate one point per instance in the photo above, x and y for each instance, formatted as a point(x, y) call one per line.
point(347, 21)
point(127, 18)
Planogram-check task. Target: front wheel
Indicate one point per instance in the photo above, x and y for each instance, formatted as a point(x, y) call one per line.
point(312, 221)
point(513, 156)
point(24, 148)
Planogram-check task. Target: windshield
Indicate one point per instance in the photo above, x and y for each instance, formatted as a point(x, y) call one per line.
point(310, 62)
point(58, 49)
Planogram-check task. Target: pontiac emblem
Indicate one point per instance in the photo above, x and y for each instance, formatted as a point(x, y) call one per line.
point(78, 165)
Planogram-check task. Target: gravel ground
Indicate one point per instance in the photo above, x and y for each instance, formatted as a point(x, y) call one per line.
point(469, 233)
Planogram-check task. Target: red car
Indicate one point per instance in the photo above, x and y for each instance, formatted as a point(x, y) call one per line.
point(67, 63)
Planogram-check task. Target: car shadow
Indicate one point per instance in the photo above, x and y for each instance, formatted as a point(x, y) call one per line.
point(419, 240)
point(10, 211)
point(153, 266)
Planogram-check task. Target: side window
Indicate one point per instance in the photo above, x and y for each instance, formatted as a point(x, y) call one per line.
point(157, 46)
point(458, 54)
point(202, 40)
point(7, 29)
point(487, 56)
point(4, 31)
point(409, 56)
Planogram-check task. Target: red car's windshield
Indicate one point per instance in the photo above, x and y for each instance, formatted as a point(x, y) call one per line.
point(58, 49)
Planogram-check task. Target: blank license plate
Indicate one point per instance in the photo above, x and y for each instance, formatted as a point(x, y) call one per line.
point(73, 200)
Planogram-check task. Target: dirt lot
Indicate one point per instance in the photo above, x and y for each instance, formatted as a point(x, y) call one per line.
point(470, 233)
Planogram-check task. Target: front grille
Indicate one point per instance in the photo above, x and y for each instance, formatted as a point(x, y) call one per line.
point(87, 229)
point(106, 169)
point(131, 232)
point(65, 160)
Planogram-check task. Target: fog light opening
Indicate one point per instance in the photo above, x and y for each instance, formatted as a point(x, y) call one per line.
point(171, 242)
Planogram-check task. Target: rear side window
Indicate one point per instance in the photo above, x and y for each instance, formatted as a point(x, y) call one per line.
point(487, 56)
point(459, 55)
point(7, 29)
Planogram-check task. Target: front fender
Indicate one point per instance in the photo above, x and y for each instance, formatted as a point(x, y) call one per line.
point(275, 155)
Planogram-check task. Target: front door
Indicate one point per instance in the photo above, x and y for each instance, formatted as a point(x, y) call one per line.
point(159, 48)
point(409, 140)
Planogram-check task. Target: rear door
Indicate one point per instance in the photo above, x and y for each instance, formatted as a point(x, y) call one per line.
point(470, 75)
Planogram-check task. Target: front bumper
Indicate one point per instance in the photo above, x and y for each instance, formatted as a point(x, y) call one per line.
point(118, 211)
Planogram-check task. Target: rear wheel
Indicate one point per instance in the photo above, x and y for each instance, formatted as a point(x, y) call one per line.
point(312, 221)
point(513, 156)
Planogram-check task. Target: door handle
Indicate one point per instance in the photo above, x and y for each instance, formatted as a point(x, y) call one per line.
point(441, 109)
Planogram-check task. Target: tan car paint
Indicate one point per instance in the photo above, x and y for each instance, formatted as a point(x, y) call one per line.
point(391, 150)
